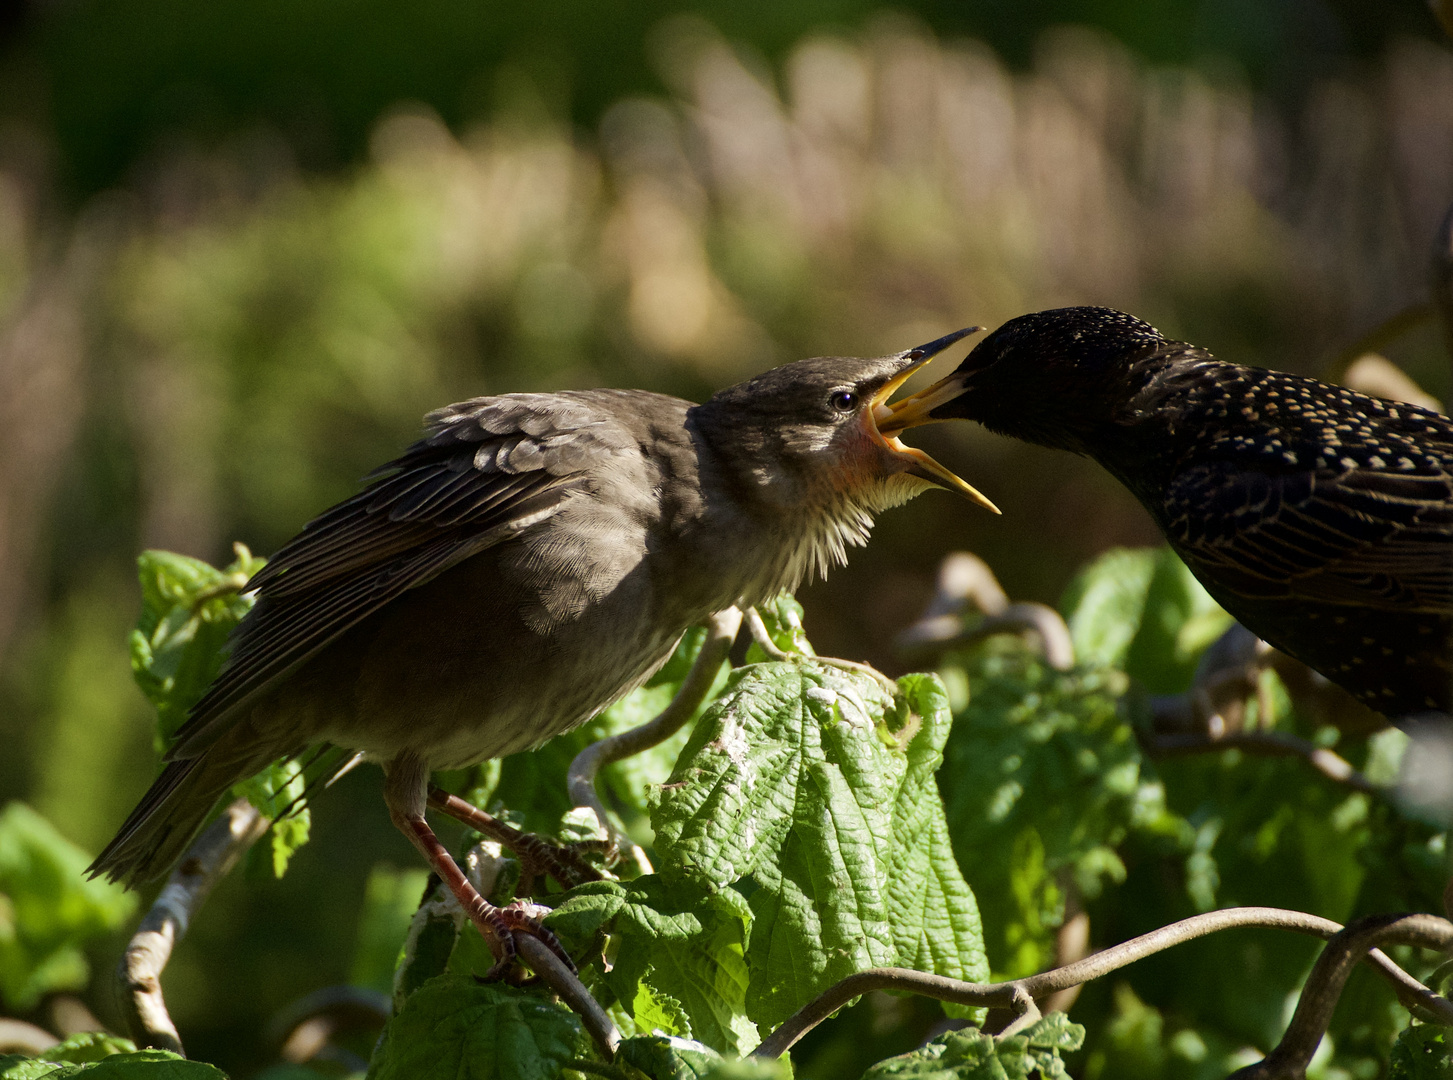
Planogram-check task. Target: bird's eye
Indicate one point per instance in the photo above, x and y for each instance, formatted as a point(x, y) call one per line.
point(844, 400)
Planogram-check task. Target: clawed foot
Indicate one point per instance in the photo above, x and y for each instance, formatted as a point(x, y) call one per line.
point(564, 862)
point(500, 926)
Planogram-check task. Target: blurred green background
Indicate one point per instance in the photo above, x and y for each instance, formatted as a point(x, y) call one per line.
point(244, 246)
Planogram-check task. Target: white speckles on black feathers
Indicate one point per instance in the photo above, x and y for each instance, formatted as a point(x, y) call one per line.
point(1296, 503)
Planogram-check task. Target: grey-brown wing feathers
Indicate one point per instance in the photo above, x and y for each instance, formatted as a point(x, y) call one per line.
point(486, 470)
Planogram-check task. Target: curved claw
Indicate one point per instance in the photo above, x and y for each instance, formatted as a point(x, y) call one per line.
point(504, 923)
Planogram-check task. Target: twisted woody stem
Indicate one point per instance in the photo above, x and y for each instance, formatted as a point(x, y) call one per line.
point(721, 631)
point(1320, 995)
point(206, 862)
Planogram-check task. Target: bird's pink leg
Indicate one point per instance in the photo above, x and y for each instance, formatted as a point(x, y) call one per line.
point(539, 856)
point(404, 792)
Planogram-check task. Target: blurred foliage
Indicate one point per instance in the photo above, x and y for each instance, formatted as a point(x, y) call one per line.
point(232, 330)
point(117, 79)
point(1034, 1054)
point(798, 835)
point(48, 909)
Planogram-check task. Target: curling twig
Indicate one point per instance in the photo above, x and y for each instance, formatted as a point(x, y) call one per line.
point(721, 631)
point(965, 579)
point(210, 857)
point(1293, 1054)
point(945, 631)
point(1019, 994)
point(763, 638)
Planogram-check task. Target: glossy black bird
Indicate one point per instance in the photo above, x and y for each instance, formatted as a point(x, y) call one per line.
point(1321, 518)
point(533, 558)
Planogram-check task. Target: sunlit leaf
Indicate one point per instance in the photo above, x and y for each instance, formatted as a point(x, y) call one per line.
point(48, 909)
point(455, 1028)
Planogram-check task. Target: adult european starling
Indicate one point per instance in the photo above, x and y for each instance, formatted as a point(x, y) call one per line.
point(532, 559)
point(1321, 518)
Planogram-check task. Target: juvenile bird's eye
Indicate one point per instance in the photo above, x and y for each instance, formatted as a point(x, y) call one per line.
point(844, 400)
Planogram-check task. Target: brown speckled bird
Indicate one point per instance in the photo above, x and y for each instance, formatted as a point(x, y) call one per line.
point(533, 558)
point(1321, 518)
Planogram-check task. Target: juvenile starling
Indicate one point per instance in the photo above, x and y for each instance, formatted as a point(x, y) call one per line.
point(532, 559)
point(1320, 518)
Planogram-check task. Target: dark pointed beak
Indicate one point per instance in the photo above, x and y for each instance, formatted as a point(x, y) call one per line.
point(883, 421)
point(918, 409)
point(933, 348)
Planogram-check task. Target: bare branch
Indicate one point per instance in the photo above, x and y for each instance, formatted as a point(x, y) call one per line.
point(1324, 986)
point(18, 1037)
point(304, 1030)
point(571, 990)
point(1013, 994)
point(763, 637)
point(540, 957)
point(1267, 743)
point(721, 631)
point(1045, 622)
point(214, 852)
point(965, 579)
point(1071, 942)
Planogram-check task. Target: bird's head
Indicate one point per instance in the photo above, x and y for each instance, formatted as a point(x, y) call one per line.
point(806, 436)
point(1050, 377)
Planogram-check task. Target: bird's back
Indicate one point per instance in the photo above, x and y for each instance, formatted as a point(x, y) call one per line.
point(1322, 518)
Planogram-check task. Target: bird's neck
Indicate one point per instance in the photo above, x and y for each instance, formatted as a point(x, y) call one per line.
point(755, 534)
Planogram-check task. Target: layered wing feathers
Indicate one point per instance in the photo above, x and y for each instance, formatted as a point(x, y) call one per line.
point(486, 470)
point(1367, 519)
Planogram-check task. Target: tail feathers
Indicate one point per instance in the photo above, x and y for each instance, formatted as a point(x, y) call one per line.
point(169, 815)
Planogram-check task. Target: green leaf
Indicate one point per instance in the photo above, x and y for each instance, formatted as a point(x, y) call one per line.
point(664, 1058)
point(187, 610)
point(18, 1067)
point(428, 945)
point(969, 1054)
point(454, 1028)
point(685, 942)
point(1422, 1052)
point(389, 901)
point(809, 790)
point(1142, 611)
point(1042, 781)
point(277, 792)
point(1104, 603)
point(140, 1065)
point(658, 1012)
point(533, 783)
point(48, 909)
point(89, 1046)
point(782, 616)
point(1178, 622)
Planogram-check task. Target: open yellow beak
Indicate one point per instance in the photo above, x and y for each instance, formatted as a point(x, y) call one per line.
point(914, 411)
point(888, 420)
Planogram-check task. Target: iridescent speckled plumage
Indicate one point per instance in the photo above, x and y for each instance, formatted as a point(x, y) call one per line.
point(1321, 518)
